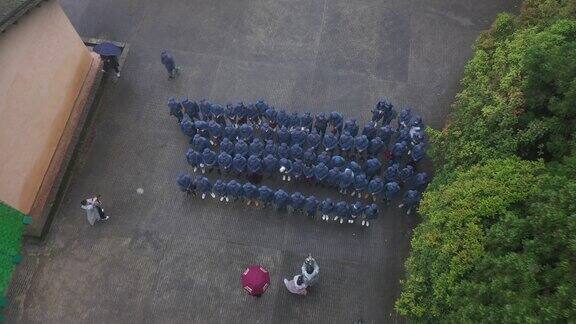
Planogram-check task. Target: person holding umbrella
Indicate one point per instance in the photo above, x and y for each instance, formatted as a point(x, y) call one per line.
point(109, 54)
point(255, 280)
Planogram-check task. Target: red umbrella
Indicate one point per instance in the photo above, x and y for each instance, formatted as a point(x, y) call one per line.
point(255, 280)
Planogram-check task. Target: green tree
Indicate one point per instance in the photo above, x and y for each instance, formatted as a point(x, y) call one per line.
point(497, 244)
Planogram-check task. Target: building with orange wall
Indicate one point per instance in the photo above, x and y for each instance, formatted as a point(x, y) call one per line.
point(47, 76)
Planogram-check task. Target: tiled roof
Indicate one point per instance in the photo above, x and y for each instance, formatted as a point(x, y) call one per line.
point(11, 10)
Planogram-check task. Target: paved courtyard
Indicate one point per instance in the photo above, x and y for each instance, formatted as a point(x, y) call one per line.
point(167, 258)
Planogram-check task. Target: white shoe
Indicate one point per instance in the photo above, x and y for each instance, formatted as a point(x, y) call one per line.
point(283, 178)
point(367, 224)
point(227, 199)
point(401, 205)
point(221, 198)
point(203, 171)
point(117, 75)
point(353, 194)
point(213, 195)
point(288, 178)
point(105, 218)
point(341, 221)
point(203, 195)
point(350, 221)
point(363, 223)
point(194, 169)
point(336, 218)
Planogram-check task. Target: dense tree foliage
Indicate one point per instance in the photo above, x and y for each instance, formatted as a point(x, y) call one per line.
point(497, 242)
point(519, 92)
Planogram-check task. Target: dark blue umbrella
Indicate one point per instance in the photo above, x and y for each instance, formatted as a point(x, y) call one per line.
point(107, 49)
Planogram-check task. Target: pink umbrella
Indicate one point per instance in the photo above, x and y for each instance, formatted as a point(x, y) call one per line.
point(255, 280)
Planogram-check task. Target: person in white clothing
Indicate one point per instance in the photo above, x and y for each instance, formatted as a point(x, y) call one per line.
point(94, 210)
point(310, 271)
point(296, 285)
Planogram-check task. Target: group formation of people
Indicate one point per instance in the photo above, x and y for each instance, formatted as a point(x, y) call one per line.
point(296, 203)
point(257, 140)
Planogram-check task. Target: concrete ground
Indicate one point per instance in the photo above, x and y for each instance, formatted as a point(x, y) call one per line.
point(164, 257)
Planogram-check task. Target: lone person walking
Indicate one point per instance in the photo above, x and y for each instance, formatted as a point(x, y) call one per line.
point(169, 64)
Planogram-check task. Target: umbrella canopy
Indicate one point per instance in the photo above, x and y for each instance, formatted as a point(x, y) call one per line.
point(255, 280)
point(107, 49)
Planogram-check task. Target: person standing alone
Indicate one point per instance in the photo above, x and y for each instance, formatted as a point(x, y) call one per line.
point(169, 64)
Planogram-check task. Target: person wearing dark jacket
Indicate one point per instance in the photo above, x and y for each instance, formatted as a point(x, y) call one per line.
point(111, 63)
point(169, 63)
point(175, 109)
point(326, 208)
point(265, 195)
point(186, 184)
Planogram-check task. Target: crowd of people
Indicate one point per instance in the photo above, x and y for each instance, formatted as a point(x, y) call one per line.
point(256, 140)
